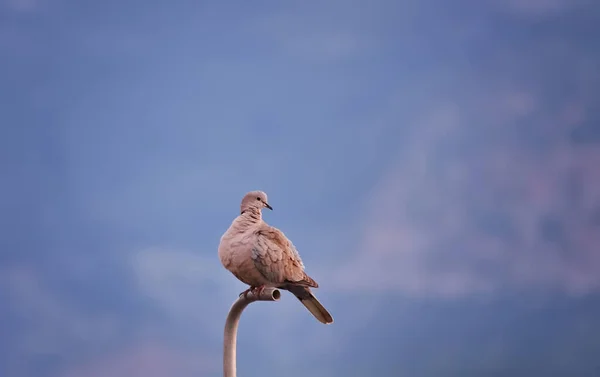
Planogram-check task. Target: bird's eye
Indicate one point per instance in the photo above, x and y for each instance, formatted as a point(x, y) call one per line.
point(258, 198)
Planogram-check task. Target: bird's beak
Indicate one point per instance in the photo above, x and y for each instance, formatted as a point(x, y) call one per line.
point(268, 206)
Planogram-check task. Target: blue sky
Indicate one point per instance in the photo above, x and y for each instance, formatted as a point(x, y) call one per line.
point(436, 164)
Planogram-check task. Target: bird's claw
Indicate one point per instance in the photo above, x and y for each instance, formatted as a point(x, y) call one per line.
point(257, 291)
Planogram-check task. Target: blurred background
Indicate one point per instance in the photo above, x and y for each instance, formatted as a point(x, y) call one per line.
point(437, 164)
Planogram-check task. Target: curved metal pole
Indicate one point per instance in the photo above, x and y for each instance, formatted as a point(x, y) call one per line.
point(231, 326)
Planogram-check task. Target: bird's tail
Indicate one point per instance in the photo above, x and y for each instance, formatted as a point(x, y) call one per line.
point(311, 303)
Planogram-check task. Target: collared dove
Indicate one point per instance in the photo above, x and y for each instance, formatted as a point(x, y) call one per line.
point(261, 256)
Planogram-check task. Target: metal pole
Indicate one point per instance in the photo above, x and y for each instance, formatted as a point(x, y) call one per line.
point(231, 326)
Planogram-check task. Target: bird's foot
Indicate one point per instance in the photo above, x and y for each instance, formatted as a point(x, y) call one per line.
point(259, 290)
point(256, 291)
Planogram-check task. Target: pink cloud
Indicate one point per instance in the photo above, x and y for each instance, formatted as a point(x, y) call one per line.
point(422, 232)
point(147, 359)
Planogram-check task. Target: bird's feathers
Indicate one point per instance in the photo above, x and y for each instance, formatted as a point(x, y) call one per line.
point(259, 254)
point(308, 299)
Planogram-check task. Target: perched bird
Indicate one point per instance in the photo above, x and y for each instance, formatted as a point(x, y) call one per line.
point(261, 256)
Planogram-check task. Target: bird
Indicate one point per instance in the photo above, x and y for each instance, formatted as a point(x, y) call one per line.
point(262, 256)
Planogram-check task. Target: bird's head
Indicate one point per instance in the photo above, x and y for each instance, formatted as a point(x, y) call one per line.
point(254, 200)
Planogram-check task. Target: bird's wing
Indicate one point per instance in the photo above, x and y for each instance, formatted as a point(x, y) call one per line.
point(277, 259)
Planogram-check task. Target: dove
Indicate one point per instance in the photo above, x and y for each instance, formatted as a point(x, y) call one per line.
point(262, 256)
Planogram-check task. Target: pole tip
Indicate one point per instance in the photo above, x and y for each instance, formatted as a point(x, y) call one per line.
point(267, 294)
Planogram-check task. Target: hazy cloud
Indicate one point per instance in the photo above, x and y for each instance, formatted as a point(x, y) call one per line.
point(147, 359)
point(540, 7)
point(452, 217)
point(21, 5)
